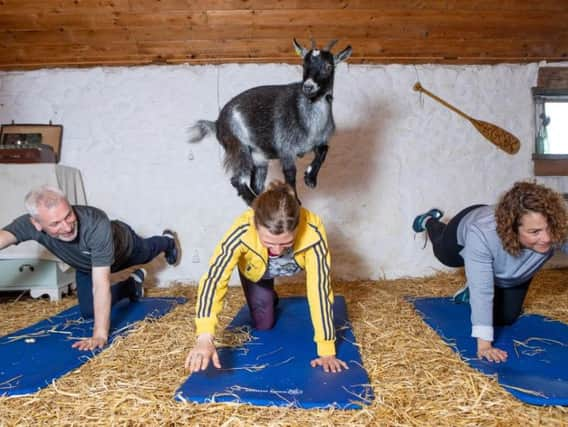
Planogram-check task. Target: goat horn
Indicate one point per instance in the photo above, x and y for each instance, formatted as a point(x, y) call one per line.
point(330, 45)
point(313, 43)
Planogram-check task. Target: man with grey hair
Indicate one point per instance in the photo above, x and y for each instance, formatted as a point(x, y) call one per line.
point(85, 238)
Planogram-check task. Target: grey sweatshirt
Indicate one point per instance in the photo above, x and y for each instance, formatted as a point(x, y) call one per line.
point(488, 264)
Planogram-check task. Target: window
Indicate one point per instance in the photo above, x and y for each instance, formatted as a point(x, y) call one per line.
point(551, 122)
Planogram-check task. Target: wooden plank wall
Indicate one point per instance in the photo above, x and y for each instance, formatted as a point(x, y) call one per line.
point(48, 33)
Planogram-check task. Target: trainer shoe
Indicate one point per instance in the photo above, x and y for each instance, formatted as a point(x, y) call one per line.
point(172, 255)
point(419, 223)
point(138, 277)
point(462, 296)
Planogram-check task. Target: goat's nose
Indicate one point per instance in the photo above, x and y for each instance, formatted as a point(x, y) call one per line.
point(309, 87)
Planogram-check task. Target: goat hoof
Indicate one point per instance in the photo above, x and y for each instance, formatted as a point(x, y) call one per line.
point(310, 181)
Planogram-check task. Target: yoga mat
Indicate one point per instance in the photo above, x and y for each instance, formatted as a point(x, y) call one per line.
point(31, 358)
point(536, 371)
point(273, 369)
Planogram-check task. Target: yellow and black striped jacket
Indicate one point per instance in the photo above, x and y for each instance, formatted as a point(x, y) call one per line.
point(241, 246)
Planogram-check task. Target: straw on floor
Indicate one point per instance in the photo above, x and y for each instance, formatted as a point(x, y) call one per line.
point(417, 379)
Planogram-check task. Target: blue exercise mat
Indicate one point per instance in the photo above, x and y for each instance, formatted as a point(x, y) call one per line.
point(273, 368)
point(536, 370)
point(33, 357)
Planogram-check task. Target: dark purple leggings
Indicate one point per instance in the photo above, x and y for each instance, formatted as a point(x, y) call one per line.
point(262, 300)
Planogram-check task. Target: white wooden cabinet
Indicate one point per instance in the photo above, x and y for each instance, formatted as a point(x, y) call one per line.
point(40, 277)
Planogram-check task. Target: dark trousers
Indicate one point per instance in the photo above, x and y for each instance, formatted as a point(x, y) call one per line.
point(143, 251)
point(507, 302)
point(261, 300)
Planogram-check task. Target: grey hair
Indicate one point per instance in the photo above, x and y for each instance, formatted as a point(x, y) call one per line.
point(45, 195)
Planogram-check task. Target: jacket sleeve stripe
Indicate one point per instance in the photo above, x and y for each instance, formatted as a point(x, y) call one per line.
point(323, 288)
point(217, 268)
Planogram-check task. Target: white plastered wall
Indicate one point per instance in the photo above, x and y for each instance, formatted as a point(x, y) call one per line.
point(395, 153)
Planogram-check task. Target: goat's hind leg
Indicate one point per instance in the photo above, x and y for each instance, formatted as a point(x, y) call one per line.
point(259, 173)
point(289, 171)
point(243, 189)
point(240, 163)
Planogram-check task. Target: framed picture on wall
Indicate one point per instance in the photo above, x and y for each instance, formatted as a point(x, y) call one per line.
point(32, 135)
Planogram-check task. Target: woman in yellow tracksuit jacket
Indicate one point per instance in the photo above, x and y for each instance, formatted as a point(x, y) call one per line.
point(275, 238)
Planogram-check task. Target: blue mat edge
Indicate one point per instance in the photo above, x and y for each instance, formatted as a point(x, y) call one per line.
point(520, 395)
point(27, 391)
point(364, 401)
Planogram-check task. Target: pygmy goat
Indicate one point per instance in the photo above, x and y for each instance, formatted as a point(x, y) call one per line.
point(278, 122)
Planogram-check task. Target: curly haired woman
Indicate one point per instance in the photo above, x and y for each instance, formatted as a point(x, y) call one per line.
point(502, 247)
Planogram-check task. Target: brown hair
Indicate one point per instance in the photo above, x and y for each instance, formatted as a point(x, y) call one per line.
point(527, 197)
point(277, 209)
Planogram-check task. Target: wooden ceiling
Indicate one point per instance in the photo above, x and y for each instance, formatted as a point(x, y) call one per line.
point(61, 33)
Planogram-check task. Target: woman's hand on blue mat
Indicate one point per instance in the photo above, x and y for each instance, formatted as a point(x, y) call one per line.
point(90, 343)
point(200, 355)
point(485, 350)
point(329, 363)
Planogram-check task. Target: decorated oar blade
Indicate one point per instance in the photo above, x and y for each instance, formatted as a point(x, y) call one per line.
point(494, 134)
point(498, 136)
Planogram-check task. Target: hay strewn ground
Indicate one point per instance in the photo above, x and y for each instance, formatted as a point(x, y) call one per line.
point(416, 378)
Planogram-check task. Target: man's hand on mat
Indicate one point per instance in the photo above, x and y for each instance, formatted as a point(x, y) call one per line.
point(329, 363)
point(203, 351)
point(486, 351)
point(91, 343)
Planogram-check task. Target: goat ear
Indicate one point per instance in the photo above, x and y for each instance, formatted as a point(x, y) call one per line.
point(300, 50)
point(343, 55)
point(330, 45)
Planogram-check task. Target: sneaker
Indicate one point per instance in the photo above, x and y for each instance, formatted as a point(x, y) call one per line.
point(462, 296)
point(138, 277)
point(172, 255)
point(419, 223)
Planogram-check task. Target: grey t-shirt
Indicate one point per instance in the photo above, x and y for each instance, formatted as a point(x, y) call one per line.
point(99, 242)
point(282, 265)
point(488, 264)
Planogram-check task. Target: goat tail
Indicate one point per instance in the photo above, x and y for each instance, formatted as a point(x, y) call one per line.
point(201, 129)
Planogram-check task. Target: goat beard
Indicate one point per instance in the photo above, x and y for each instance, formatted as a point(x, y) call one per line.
point(317, 96)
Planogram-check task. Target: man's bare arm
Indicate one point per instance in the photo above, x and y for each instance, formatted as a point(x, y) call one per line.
point(7, 239)
point(102, 303)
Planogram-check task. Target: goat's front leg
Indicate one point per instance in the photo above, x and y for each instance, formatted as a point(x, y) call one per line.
point(311, 174)
point(289, 171)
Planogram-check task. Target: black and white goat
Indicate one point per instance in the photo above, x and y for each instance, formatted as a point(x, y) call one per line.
point(278, 122)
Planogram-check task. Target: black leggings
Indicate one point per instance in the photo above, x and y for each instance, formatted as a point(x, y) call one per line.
point(444, 238)
point(507, 302)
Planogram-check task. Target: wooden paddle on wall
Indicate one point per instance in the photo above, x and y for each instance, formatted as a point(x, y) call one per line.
point(494, 134)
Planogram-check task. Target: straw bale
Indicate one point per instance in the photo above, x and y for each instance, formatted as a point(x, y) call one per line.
point(417, 379)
